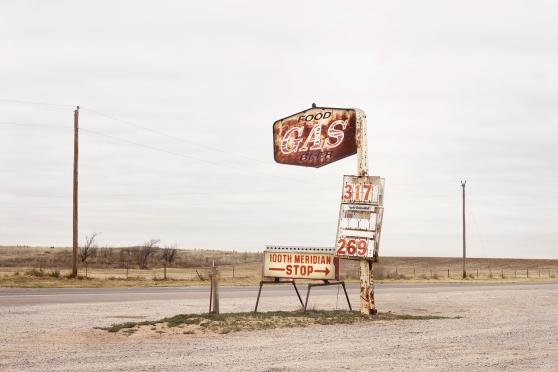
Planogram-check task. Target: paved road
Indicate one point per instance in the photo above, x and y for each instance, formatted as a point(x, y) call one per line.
point(43, 296)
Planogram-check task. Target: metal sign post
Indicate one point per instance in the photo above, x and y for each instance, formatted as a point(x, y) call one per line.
point(367, 304)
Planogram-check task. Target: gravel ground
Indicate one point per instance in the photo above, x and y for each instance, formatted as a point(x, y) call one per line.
point(508, 327)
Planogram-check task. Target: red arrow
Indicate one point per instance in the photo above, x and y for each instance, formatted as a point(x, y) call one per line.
point(277, 268)
point(326, 271)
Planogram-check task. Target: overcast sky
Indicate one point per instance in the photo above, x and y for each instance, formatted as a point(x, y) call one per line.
point(178, 101)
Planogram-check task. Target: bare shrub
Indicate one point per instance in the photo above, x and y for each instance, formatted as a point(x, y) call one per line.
point(143, 252)
point(89, 249)
point(168, 255)
point(54, 274)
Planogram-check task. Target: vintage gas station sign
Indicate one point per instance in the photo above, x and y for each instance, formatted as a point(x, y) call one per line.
point(300, 265)
point(315, 137)
point(360, 217)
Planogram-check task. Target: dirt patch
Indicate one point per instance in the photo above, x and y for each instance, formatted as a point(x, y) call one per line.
point(234, 322)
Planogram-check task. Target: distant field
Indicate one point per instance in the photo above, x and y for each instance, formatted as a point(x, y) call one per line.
point(117, 267)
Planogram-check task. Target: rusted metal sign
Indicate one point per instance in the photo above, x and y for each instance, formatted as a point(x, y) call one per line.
point(300, 265)
point(315, 137)
point(360, 217)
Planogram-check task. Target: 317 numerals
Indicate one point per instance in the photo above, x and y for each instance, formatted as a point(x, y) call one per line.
point(357, 192)
point(352, 247)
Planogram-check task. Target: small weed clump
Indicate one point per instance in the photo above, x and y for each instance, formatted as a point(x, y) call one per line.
point(54, 274)
point(35, 272)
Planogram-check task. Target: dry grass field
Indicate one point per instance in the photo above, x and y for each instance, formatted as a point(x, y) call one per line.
point(119, 267)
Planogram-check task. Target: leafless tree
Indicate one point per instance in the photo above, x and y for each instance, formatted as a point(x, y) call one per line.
point(89, 249)
point(168, 255)
point(144, 252)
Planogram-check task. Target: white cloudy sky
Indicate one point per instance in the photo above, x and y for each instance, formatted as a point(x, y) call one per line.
point(178, 100)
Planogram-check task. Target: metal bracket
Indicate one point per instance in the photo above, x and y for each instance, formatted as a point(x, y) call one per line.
point(276, 281)
point(326, 283)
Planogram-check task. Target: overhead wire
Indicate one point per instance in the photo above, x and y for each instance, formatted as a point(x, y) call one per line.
point(35, 103)
point(174, 137)
point(34, 125)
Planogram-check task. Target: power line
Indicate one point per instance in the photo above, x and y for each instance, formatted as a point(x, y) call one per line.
point(34, 103)
point(34, 125)
point(157, 149)
point(164, 134)
point(480, 236)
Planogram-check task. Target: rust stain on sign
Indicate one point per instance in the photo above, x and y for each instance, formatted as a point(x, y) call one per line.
point(315, 137)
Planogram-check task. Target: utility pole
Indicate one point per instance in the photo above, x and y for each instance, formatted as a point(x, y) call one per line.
point(75, 195)
point(463, 183)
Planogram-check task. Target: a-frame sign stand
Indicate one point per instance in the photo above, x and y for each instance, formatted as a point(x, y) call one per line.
point(278, 281)
point(327, 282)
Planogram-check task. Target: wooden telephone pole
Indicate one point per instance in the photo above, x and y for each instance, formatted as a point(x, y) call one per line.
point(75, 195)
point(463, 183)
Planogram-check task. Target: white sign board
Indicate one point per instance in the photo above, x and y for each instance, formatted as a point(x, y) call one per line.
point(300, 265)
point(360, 217)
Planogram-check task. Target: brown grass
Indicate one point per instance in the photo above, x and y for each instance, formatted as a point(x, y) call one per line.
point(49, 267)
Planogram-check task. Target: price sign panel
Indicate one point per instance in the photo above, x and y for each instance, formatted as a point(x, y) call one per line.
point(360, 217)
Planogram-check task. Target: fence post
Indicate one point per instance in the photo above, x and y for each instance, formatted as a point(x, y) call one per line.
point(126, 270)
point(214, 300)
point(477, 272)
point(527, 272)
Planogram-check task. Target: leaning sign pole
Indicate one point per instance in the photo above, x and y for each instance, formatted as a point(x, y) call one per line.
point(367, 305)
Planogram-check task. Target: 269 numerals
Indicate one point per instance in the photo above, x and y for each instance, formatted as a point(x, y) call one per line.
point(352, 247)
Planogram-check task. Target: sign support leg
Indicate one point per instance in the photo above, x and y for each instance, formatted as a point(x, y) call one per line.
point(298, 294)
point(276, 281)
point(258, 300)
point(347, 296)
point(326, 282)
point(307, 295)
